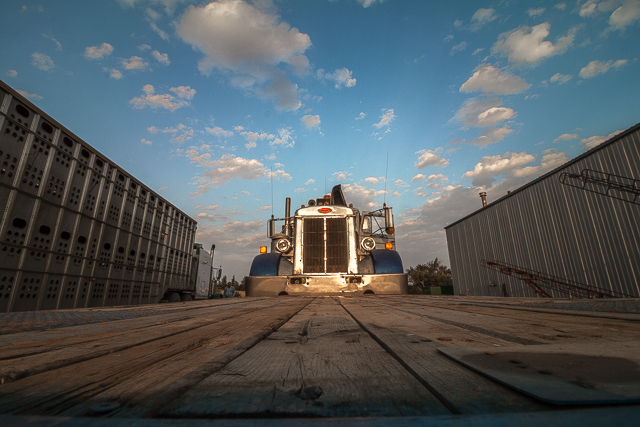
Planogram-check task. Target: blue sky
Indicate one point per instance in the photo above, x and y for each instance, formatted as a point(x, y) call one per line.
point(207, 102)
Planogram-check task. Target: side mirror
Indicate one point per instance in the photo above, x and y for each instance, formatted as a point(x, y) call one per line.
point(271, 228)
point(388, 220)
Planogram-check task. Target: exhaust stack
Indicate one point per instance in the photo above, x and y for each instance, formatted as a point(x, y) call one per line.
point(483, 196)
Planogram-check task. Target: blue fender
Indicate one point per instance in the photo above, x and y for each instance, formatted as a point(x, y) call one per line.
point(386, 261)
point(265, 265)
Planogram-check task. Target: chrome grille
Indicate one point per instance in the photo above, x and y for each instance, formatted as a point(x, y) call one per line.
point(325, 245)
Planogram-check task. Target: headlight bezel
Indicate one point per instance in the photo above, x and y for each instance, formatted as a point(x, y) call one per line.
point(368, 244)
point(283, 245)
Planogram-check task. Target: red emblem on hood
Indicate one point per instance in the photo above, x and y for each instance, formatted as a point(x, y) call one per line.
point(324, 210)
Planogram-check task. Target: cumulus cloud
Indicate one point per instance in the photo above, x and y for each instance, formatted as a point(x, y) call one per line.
point(528, 44)
point(535, 12)
point(361, 196)
point(430, 158)
point(624, 12)
point(367, 3)
point(385, 120)
point(437, 177)
point(134, 63)
point(239, 37)
point(42, 61)
point(219, 132)
point(146, 141)
point(12, 73)
point(483, 112)
point(595, 68)
point(98, 52)
point(311, 121)
point(283, 139)
point(566, 137)
point(489, 79)
point(513, 165)
point(419, 177)
point(169, 102)
point(594, 141)
point(179, 134)
point(560, 78)
point(341, 77)
point(220, 171)
point(373, 180)
point(114, 73)
point(482, 17)
point(162, 58)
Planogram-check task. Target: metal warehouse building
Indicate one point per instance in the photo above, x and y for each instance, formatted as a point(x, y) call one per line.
point(574, 232)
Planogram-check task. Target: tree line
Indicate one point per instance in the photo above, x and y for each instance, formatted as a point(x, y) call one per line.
point(433, 273)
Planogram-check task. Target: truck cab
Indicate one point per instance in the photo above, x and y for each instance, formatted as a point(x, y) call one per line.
point(329, 248)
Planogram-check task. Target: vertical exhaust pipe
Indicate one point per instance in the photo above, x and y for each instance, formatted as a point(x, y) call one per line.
point(287, 215)
point(483, 196)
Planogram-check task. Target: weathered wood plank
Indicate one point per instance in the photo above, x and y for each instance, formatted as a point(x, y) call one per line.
point(414, 340)
point(321, 363)
point(145, 377)
point(544, 327)
point(31, 353)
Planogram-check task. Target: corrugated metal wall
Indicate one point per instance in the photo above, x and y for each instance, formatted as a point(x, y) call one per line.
point(77, 230)
point(556, 229)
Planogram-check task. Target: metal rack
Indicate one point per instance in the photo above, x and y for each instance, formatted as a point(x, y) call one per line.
point(607, 184)
point(542, 282)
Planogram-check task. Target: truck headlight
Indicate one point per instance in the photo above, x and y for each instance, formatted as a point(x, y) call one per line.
point(368, 244)
point(283, 245)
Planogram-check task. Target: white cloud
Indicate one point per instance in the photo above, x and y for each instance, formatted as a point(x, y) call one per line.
point(372, 180)
point(625, 15)
point(361, 196)
point(162, 58)
point(419, 177)
point(483, 112)
point(400, 183)
point(490, 79)
point(144, 47)
point(459, 48)
point(593, 141)
point(239, 37)
point(179, 134)
point(42, 61)
point(527, 44)
point(152, 100)
point(482, 17)
point(53, 39)
point(30, 96)
point(535, 12)
point(491, 135)
point(430, 158)
point(340, 176)
point(561, 6)
point(219, 132)
point(146, 141)
point(566, 137)
point(279, 174)
point(310, 181)
point(283, 139)
point(361, 116)
point(367, 3)
point(341, 77)
point(134, 63)
point(598, 67)
point(385, 120)
point(437, 177)
point(98, 52)
point(114, 73)
point(228, 167)
point(12, 73)
point(253, 137)
point(513, 165)
point(311, 121)
point(560, 78)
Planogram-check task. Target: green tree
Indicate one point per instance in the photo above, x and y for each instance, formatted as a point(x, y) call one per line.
point(241, 286)
point(234, 282)
point(433, 273)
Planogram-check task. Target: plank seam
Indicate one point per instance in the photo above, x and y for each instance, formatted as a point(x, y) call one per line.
point(408, 368)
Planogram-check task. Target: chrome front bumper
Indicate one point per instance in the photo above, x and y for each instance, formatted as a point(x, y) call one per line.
point(378, 284)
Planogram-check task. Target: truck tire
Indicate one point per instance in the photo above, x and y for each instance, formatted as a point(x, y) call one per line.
point(174, 297)
point(186, 297)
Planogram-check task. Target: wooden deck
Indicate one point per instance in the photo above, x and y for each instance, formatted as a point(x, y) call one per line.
point(349, 360)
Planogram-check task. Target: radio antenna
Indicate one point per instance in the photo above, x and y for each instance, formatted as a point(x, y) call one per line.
point(271, 176)
point(386, 174)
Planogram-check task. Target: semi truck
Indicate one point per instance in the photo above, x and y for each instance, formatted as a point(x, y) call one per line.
point(329, 248)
